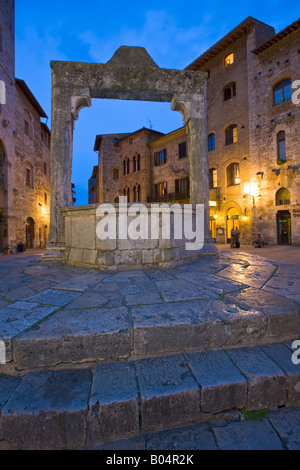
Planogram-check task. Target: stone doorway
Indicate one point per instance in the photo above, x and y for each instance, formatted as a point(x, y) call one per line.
point(29, 233)
point(232, 222)
point(284, 228)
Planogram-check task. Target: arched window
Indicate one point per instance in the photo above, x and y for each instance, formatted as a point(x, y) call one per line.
point(231, 135)
point(127, 166)
point(138, 162)
point(211, 142)
point(229, 59)
point(124, 167)
point(283, 196)
point(134, 194)
point(134, 164)
point(282, 91)
point(229, 91)
point(281, 152)
point(139, 193)
point(233, 174)
point(212, 178)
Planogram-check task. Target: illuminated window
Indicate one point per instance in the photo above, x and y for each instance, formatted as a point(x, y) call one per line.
point(231, 135)
point(229, 59)
point(212, 178)
point(282, 91)
point(233, 174)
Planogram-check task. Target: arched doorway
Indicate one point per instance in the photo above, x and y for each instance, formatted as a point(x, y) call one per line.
point(232, 221)
point(29, 233)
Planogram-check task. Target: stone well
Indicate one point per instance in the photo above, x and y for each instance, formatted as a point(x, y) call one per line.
point(83, 247)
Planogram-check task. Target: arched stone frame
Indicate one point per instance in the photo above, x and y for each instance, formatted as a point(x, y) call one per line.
point(131, 74)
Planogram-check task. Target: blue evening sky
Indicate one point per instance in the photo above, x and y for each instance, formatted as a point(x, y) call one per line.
point(174, 33)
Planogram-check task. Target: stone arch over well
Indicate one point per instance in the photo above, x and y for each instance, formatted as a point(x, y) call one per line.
point(130, 74)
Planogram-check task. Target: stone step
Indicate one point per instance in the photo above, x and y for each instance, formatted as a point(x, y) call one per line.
point(75, 408)
point(41, 336)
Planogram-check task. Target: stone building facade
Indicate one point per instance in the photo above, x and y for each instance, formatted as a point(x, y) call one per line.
point(251, 187)
point(24, 152)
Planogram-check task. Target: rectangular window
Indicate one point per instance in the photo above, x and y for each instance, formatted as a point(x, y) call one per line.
point(213, 183)
point(160, 158)
point(45, 168)
point(28, 176)
point(45, 198)
point(115, 174)
point(182, 150)
point(26, 128)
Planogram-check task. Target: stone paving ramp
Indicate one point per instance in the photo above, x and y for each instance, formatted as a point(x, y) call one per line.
point(95, 356)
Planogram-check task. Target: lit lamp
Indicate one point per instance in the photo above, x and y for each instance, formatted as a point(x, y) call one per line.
point(215, 216)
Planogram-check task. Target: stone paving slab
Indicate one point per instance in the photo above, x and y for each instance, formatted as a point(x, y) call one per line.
point(168, 392)
point(282, 314)
point(248, 435)
point(267, 383)
point(44, 413)
point(194, 325)
point(286, 422)
point(75, 336)
point(222, 385)
point(251, 275)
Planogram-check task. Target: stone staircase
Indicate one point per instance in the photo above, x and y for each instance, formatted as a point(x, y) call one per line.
point(77, 375)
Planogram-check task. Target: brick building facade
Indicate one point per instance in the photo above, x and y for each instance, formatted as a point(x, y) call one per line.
point(254, 187)
point(24, 151)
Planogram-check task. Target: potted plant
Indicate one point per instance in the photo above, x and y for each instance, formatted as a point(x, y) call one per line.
point(6, 250)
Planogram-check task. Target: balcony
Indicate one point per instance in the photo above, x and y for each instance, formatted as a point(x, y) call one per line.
point(170, 197)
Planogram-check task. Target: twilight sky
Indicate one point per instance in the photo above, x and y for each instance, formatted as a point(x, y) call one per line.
point(174, 33)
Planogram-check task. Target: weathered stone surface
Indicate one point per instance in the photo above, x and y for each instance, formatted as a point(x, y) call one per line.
point(282, 355)
point(143, 298)
point(222, 385)
point(248, 435)
point(267, 384)
point(286, 422)
point(7, 387)
point(205, 324)
point(168, 391)
point(114, 405)
point(81, 283)
point(76, 336)
point(194, 437)
point(48, 410)
point(282, 313)
point(249, 274)
point(54, 297)
point(211, 282)
point(176, 290)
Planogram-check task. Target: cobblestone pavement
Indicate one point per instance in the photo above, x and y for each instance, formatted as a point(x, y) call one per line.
point(31, 292)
